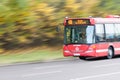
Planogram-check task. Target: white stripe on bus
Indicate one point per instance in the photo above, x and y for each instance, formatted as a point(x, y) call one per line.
point(102, 50)
point(89, 51)
point(117, 49)
point(105, 50)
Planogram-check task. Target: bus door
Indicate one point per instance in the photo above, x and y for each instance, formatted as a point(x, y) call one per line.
point(101, 45)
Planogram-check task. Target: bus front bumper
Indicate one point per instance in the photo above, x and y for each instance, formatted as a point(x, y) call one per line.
point(77, 54)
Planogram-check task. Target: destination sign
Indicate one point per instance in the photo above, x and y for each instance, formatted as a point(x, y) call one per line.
point(78, 22)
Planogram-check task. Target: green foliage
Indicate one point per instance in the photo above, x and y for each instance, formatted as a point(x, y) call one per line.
point(25, 23)
point(30, 55)
point(106, 7)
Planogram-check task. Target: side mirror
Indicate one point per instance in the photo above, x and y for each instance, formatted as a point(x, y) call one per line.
point(58, 29)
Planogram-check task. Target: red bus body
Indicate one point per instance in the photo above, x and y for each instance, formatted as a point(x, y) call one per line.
point(97, 49)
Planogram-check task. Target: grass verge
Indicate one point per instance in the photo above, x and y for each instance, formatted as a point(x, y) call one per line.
point(30, 56)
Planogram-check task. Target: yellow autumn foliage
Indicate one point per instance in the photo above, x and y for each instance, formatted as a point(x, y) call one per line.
point(23, 21)
point(72, 6)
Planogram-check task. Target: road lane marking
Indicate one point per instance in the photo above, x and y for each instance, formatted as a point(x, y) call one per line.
point(45, 67)
point(44, 73)
point(107, 65)
point(96, 76)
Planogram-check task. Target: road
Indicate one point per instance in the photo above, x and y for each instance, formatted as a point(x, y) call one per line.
point(71, 69)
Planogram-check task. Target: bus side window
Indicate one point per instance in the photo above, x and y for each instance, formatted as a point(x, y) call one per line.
point(117, 32)
point(100, 37)
point(110, 34)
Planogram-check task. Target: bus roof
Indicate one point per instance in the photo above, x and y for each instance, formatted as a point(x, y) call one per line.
point(93, 21)
point(106, 20)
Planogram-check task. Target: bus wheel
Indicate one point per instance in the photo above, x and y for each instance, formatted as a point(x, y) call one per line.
point(81, 57)
point(110, 53)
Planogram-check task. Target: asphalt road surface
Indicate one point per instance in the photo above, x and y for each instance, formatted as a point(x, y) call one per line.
point(71, 69)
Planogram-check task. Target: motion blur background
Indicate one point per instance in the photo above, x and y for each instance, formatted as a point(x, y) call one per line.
point(31, 24)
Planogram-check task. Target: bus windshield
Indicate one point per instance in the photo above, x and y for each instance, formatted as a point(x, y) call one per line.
point(79, 34)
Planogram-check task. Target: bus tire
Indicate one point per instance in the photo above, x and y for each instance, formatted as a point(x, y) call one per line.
point(81, 57)
point(110, 53)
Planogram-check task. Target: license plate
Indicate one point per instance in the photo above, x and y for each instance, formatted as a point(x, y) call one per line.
point(75, 54)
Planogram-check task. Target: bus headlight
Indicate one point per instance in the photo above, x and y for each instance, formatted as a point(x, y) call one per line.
point(67, 51)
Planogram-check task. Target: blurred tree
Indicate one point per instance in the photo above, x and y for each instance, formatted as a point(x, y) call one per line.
point(72, 8)
point(46, 21)
point(16, 22)
point(106, 7)
point(33, 22)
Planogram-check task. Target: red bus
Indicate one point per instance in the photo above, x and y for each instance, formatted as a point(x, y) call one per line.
point(92, 37)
